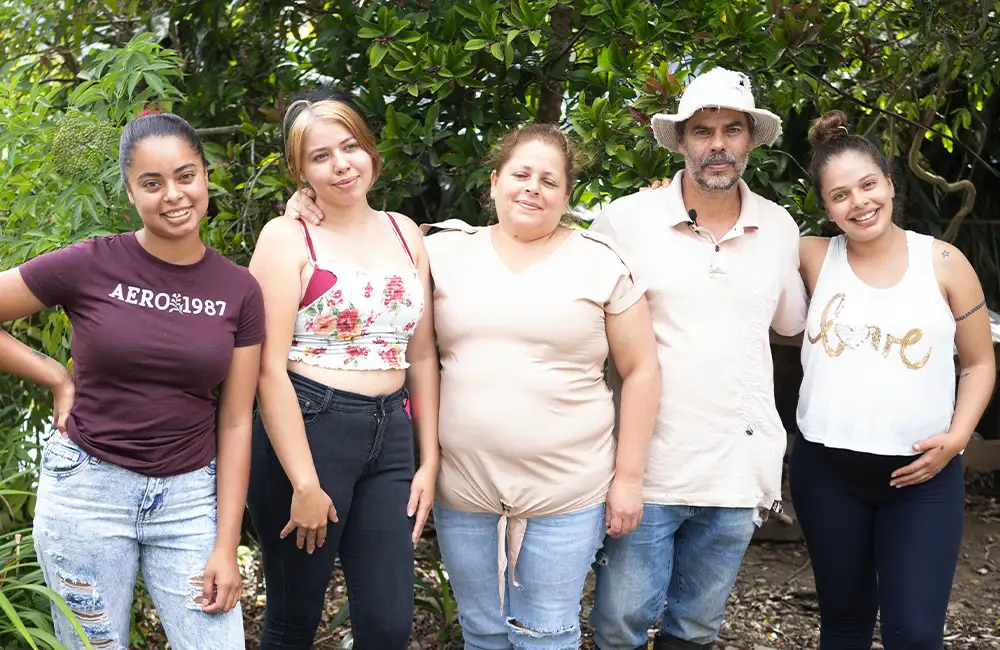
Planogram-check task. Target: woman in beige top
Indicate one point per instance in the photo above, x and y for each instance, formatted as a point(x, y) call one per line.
point(531, 478)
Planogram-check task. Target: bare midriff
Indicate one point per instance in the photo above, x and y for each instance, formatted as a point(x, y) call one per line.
point(363, 382)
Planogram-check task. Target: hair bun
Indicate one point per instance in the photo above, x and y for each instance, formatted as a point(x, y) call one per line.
point(827, 128)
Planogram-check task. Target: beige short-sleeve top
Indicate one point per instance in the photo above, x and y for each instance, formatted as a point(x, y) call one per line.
point(526, 418)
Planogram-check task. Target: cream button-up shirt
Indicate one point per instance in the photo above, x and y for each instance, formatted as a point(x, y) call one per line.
point(718, 439)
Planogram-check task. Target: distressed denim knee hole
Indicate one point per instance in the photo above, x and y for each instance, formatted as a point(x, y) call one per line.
point(87, 605)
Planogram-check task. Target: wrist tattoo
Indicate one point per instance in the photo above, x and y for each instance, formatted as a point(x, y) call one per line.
point(971, 311)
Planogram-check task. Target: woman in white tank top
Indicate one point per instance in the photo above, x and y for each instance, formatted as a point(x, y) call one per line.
point(876, 476)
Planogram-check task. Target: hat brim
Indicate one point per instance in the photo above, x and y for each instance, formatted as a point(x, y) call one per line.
point(766, 126)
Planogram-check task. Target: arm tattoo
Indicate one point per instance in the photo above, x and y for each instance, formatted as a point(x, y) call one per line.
point(971, 311)
point(964, 374)
point(945, 253)
point(39, 354)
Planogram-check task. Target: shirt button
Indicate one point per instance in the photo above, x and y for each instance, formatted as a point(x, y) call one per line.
point(716, 248)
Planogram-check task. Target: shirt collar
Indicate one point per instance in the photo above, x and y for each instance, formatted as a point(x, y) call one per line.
point(677, 212)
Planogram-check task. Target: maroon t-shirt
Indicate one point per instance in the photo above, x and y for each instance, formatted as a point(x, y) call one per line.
point(151, 341)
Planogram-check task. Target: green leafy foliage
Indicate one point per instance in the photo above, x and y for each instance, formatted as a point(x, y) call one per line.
point(434, 595)
point(25, 600)
point(82, 146)
point(440, 82)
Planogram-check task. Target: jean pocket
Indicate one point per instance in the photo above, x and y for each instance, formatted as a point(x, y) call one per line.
point(310, 410)
point(62, 457)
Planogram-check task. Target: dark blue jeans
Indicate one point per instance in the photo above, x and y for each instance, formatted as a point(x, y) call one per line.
point(363, 450)
point(875, 547)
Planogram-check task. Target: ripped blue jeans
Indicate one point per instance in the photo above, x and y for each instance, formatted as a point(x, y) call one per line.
point(96, 525)
point(543, 609)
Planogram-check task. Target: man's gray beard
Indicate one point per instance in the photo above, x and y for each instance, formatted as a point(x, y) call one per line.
point(715, 182)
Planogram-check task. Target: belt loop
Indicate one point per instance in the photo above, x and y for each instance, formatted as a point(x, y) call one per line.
point(327, 399)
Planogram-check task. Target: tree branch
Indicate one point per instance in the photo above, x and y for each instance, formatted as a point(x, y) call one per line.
point(115, 21)
point(242, 221)
point(572, 42)
point(790, 157)
point(550, 99)
point(253, 183)
point(70, 61)
point(876, 109)
point(892, 99)
point(927, 176)
point(983, 24)
point(872, 15)
point(175, 40)
point(963, 185)
point(219, 130)
point(12, 57)
point(67, 58)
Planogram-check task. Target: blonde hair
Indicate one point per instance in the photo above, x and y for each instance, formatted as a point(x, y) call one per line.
point(303, 113)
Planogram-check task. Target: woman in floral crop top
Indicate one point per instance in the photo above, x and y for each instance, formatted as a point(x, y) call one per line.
point(349, 338)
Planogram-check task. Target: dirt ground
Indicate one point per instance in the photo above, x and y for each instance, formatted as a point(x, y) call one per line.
point(774, 602)
point(773, 605)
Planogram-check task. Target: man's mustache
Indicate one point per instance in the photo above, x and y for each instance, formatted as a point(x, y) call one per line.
point(716, 158)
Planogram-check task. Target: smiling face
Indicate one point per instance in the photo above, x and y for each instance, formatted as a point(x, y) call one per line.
point(857, 195)
point(168, 184)
point(716, 146)
point(530, 191)
point(334, 163)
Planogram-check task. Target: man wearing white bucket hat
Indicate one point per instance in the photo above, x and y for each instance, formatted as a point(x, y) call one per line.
point(721, 264)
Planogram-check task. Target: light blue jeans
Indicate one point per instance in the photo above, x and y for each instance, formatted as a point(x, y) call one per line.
point(97, 524)
point(688, 556)
point(544, 610)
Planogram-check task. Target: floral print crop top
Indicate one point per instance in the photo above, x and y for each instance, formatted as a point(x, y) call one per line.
point(357, 319)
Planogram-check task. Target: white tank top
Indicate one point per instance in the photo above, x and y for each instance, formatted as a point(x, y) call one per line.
point(878, 364)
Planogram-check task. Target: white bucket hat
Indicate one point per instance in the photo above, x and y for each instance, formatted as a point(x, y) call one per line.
point(718, 88)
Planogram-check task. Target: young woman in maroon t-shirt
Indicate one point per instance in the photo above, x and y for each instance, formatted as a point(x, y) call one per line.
point(150, 466)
